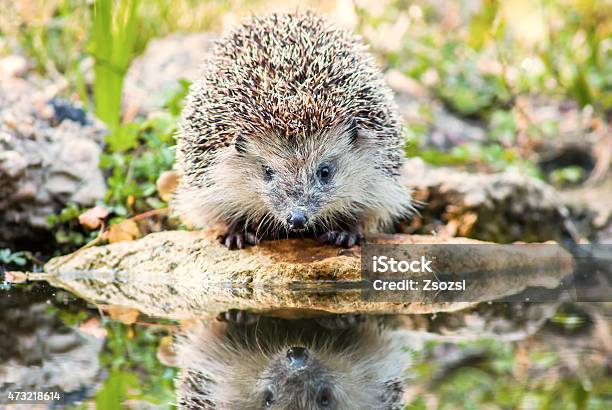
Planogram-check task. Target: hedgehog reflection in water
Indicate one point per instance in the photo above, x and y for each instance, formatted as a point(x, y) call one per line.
point(331, 362)
point(290, 128)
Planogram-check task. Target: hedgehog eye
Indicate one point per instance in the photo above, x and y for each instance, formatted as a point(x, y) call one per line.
point(268, 398)
point(268, 173)
point(324, 173)
point(324, 397)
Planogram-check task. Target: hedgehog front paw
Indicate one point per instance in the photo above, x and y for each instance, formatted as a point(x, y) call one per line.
point(341, 321)
point(345, 239)
point(234, 239)
point(238, 317)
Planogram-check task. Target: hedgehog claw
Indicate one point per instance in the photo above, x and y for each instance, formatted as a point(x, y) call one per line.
point(238, 317)
point(238, 239)
point(345, 239)
point(341, 321)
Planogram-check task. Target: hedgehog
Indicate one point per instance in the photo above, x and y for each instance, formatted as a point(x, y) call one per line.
point(297, 364)
point(290, 129)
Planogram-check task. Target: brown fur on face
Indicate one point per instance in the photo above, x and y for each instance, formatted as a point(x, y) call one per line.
point(246, 367)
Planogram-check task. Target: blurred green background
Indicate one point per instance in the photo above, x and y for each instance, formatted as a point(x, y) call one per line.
point(489, 63)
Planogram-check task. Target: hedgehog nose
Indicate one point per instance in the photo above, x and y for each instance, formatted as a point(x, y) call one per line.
point(297, 219)
point(297, 356)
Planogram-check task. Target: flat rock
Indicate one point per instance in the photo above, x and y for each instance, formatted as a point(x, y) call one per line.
point(182, 274)
point(39, 352)
point(596, 201)
point(503, 207)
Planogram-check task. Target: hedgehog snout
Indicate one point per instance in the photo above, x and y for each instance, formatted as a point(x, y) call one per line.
point(297, 356)
point(297, 219)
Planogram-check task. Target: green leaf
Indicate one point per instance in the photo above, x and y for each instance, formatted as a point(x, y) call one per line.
point(115, 390)
point(481, 27)
point(123, 138)
point(112, 46)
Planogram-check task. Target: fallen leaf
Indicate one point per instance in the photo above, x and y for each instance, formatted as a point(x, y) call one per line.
point(165, 351)
point(123, 231)
point(466, 223)
point(123, 314)
point(93, 217)
point(166, 184)
point(15, 276)
point(93, 327)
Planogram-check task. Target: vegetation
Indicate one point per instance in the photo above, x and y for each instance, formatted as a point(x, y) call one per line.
point(113, 39)
point(498, 375)
point(7, 257)
point(135, 372)
point(130, 359)
point(489, 64)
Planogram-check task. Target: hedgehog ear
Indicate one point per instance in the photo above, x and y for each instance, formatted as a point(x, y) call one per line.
point(240, 144)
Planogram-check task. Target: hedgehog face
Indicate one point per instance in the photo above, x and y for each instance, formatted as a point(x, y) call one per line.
point(305, 182)
point(296, 379)
point(300, 378)
point(296, 188)
point(361, 368)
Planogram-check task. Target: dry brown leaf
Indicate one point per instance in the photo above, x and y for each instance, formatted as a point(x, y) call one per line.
point(466, 223)
point(123, 314)
point(15, 276)
point(165, 351)
point(93, 327)
point(166, 184)
point(93, 217)
point(123, 231)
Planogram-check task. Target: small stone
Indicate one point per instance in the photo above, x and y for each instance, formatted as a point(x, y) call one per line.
point(61, 184)
point(65, 110)
point(26, 192)
point(5, 138)
point(13, 66)
point(9, 120)
point(499, 203)
point(12, 163)
point(46, 111)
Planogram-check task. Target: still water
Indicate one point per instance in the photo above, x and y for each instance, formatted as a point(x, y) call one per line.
point(490, 355)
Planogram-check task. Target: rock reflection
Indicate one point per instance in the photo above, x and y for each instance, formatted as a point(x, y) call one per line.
point(38, 352)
